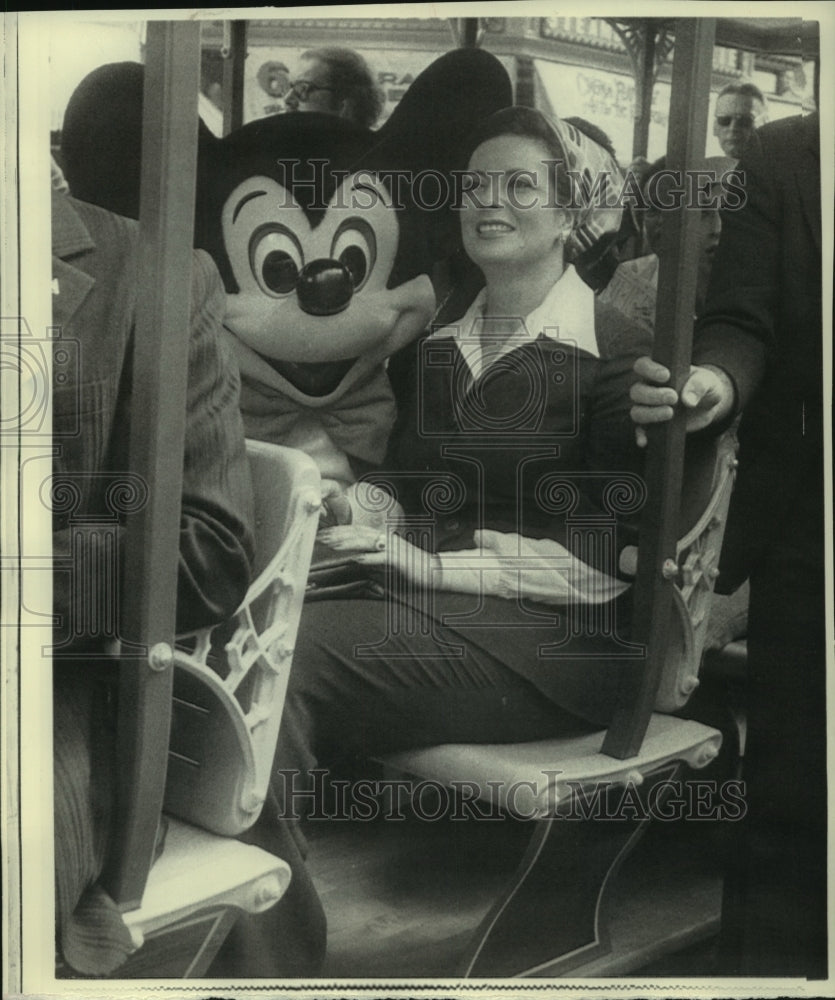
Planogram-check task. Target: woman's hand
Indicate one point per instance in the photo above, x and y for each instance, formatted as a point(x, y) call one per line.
point(336, 507)
point(352, 538)
point(707, 396)
point(376, 548)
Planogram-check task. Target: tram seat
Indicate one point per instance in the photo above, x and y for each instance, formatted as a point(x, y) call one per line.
point(228, 701)
point(551, 917)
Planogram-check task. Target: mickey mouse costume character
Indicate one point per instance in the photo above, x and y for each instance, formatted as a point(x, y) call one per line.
point(326, 234)
point(307, 263)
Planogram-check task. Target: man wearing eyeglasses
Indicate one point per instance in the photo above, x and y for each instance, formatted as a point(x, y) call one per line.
point(740, 108)
point(337, 82)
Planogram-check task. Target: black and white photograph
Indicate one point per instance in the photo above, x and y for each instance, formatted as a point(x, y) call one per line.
point(415, 524)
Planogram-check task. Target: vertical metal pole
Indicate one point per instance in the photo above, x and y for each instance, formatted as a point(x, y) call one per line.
point(160, 369)
point(525, 82)
point(466, 31)
point(234, 56)
point(470, 33)
point(673, 348)
point(644, 85)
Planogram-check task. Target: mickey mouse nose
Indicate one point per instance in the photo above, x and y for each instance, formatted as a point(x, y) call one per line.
point(324, 287)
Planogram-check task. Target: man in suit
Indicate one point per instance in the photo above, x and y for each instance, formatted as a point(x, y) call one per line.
point(95, 285)
point(759, 349)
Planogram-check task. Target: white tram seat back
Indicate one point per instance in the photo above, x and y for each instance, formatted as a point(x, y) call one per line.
point(697, 567)
point(229, 696)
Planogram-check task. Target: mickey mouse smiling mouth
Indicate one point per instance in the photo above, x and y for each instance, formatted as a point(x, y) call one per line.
point(324, 287)
point(313, 378)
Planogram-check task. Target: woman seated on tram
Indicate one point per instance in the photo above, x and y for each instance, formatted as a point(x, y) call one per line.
point(491, 629)
point(515, 431)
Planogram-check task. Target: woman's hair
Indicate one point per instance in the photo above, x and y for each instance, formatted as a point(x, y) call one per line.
point(353, 82)
point(528, 124)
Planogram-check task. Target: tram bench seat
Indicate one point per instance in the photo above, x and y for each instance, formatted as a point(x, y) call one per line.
point(539, 779)
point(550, 918)
point(223, 736)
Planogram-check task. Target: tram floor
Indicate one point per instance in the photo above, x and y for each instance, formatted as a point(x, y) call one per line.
point(402, 897)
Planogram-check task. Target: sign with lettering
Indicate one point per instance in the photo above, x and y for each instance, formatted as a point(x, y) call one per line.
point(605, 99)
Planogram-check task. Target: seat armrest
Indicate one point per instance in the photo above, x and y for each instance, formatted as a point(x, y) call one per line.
point(198, 871)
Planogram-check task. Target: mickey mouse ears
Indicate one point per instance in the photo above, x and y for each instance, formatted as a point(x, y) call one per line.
point(430, 126)
point(101, 137)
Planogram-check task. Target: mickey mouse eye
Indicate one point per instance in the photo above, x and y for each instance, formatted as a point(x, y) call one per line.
point(353, 257)
point(355, 247)
point(276, 258)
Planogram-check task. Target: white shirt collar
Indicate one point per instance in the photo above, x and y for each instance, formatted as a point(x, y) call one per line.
point(565, 314)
